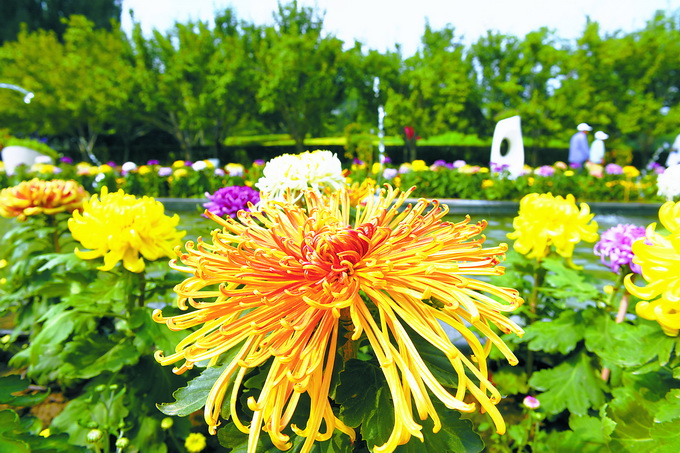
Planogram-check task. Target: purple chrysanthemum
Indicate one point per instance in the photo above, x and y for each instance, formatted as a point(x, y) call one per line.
point(613, 169)
point(615, 246)
point(230, 200)
point(153, 162)
point(164, 171)
point(390, 173)
point(545, 170)
point(498, 168)
point(440, 164)
point(65, 160)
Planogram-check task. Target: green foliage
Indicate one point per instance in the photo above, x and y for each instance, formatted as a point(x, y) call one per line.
point(573, 385)
point(202, 84)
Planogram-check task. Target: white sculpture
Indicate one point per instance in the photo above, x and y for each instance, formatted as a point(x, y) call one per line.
point(509, 129)
point(13, 156)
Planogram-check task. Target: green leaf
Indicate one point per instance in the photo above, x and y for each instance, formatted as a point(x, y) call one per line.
point(148, 333)
point(628, 345)
point(669, 408)
point(16, 438)
point(592, 432)
point(574, 385)
point(365, 402)
point(191, 398)
point(563, 282)
point(13, 384)
point(666, 436)
point(561, 334)
point(89, 357)
point(68, 260)
point(633, 423)
point(511, 381)
point(455, 436)
point(148, 436)
point(9, 421)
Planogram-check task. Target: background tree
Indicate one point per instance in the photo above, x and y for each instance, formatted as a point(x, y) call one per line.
point(433, 96)
point(299, 72)
point(171, 70)
point(80, 85)
point(53, 15)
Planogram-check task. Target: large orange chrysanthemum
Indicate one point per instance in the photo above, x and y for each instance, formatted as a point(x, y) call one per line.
point(275, 284)
point(37, 196)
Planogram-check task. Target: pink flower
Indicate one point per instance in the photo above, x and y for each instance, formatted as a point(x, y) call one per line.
point(615, 246)
point(531, 403)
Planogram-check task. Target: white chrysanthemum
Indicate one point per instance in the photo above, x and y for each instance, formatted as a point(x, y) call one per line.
point(297, 172)
point(668, 182)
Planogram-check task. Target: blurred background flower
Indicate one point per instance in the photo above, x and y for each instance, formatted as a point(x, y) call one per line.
point(229, 200)
point(36, 196)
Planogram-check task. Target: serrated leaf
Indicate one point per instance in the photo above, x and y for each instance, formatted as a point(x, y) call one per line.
point(563, 282)
point(191, 398)
point(669, 408)
point(592, 431)
point(628, 345)
point(89, 357)
point(561, 334)
point(364, 400)
point(455, 436)
point(574, 385)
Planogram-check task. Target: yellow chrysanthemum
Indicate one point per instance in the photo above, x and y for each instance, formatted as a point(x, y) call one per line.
point(544, 221)
point(195, 443)
point(419, 165)
point(180, 172)
point(119, 227)
point(487, 183)
point(659, 260)
point(630, 171)
point(276, 284)
point(36, 196)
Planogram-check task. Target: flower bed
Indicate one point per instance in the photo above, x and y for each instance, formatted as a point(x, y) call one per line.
point(330, 316)
point(439, 180)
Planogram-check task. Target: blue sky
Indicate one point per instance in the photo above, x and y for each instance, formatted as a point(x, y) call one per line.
point(379, 24)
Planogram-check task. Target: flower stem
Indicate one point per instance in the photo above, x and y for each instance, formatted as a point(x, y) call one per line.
point(621, 313)
point(349, 349)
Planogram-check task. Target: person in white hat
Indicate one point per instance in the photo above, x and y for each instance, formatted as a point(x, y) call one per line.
point(579, 149)
point(597, 148)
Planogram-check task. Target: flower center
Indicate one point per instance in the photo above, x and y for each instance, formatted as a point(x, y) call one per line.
point(331, 253)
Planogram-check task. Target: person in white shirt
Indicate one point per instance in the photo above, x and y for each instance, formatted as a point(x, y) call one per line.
point(597, 148)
